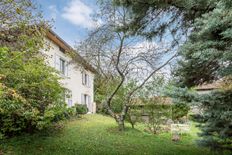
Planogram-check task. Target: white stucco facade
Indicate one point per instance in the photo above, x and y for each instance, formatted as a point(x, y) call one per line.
point(79, 91)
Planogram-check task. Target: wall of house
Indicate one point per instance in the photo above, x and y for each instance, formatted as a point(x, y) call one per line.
point(203, 91)
point(72, 80)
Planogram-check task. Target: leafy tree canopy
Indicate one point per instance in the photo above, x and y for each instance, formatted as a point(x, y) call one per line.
point(206, 55)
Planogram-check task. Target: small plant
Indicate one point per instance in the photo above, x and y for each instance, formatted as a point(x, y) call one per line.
point(158, 116)
point(81, 109)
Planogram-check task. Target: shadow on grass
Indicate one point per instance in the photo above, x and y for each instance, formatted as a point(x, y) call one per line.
point(115, 130)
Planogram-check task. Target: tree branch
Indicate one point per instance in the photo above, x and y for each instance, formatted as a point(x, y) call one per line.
point(147, 78)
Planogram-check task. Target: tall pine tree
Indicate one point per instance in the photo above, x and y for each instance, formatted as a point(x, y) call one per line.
point(206, 54)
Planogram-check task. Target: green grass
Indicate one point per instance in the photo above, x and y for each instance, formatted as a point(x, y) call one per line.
point(97, 134)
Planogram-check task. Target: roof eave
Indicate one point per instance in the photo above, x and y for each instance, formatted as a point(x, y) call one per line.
point(60, 42)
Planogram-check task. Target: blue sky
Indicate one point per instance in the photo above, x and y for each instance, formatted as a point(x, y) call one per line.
point(72, 18)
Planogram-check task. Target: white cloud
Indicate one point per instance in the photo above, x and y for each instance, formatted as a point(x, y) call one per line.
point(79, 13)
point(54, 11)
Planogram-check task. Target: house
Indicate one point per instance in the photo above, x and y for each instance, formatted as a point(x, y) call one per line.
point(77, 76)
point(207, 88)
point(151, 104)
point(204, 89)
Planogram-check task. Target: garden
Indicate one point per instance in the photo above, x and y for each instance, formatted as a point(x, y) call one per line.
point(151, 60)
point(98, 134)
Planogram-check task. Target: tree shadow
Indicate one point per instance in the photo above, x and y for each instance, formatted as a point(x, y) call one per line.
point(115, 130)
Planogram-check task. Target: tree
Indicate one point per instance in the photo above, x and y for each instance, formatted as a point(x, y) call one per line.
point(31, 97)
point(206, 52)
point(216, 119)
point(21, 25)
point(182, 99)
point(131, 59)
point(160, 18)
point(204, 57)
point(207, 55)
point(103, 86)
point(155, 103)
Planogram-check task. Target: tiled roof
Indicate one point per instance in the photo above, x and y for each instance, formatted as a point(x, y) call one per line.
point(208, 86)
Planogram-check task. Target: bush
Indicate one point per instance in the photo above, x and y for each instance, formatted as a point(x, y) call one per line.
point(217, 117)
point(64, 113)
point(158, 116)
point(31, 97)
point(181, 99)
point(133, 115)
point(81, 109)
point(157, 111)
point(102, 91)
point(179, 110)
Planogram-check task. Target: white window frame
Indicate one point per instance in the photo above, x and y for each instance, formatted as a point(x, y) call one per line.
point(68, 97)
point(62, 66)
point(86, 100)
point(58, 61)
point(85, 79)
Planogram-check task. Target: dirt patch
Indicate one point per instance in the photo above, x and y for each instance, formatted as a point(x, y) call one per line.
point(1, 152)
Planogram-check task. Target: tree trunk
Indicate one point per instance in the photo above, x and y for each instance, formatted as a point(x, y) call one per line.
point(121, 118)
point(121, 125)
point(132, 125)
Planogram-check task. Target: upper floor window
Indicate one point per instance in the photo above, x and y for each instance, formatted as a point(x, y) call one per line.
point(85, 79)
point(62, 66)
point(61, 49)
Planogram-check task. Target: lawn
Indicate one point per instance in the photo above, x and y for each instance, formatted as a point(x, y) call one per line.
point(97, 134)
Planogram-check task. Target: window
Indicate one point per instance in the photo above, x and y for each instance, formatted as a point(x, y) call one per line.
point(86, 100)
point(62, 66)
point(68, 97)
point(61, 49)
point(85, 79)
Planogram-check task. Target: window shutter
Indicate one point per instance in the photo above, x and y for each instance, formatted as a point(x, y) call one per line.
point(87, 79)
point(89, 103)
point(57, 62)
point(83, 78)
point(69, 102)
point(54, 60)
point(82, 99)
point(89, 100)
point(66, 68)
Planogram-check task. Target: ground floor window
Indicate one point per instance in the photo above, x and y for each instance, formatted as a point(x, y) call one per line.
point(68, 97)
point(86, 99)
